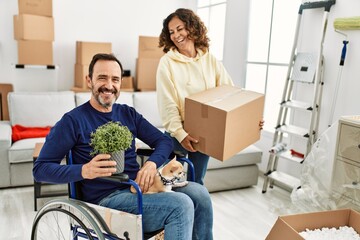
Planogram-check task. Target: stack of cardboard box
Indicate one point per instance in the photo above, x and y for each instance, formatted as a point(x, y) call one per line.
point(34, 32)
point(84, 53)
point(147, 62)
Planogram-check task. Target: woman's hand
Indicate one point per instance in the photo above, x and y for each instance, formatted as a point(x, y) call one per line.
point(261, 124)
point(187, 143)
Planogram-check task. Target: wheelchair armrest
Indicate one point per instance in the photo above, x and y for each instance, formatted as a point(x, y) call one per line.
point(144, 151)
point(119, 177)
point(148, 151)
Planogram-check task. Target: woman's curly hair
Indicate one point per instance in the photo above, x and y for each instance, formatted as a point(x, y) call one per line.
point(193, 24)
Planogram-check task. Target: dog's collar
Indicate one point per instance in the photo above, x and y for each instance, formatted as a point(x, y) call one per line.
point(168, 181)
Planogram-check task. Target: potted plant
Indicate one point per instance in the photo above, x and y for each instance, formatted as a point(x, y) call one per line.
point(112, 138)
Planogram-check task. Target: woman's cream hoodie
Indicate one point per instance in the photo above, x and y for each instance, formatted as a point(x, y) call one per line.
point(179, 76)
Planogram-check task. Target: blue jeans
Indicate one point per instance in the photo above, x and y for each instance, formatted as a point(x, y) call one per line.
point(199, 160)
point(185, 213)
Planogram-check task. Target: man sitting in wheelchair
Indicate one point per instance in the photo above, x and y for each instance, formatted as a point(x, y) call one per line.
point(186, 213)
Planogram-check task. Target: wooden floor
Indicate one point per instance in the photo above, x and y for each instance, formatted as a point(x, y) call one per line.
point(244, 214)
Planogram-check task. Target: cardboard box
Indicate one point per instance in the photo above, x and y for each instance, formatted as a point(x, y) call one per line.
point(148, 47)
point(35, 52)
point(36, 7)
point(32, 27)
point(224, 119)
point(127, 84)
point(86, 50)
point(146, 73)
point(81, 71)
point(288, 227)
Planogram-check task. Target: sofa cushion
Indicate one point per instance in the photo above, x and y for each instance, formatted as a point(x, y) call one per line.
point(248, 156)
point(39, 109)
point(124, 98)
point(22, 150)
point(146, 104)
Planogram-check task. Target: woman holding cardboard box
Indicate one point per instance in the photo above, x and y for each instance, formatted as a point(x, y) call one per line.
point(187, 68)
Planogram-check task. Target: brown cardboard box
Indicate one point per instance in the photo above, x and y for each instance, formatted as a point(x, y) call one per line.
point(35, 52)
point(127, 84)
point(86, 50)
point(224, 119)
point(146, 73)
point(36, 7)
point(148, 47)
point(81, 71)
point(288, 227)
point(32, 27)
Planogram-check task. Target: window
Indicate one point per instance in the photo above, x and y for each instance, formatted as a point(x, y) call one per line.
point(271, 35)
point(213, 13)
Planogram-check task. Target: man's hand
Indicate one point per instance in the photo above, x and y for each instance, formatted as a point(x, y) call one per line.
point(146, 175)
point(99, 166)
point(187, 143)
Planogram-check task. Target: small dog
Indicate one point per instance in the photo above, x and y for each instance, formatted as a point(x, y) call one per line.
point(167, 177)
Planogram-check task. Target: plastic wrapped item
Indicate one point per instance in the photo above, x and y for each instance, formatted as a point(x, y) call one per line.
point(316, 192)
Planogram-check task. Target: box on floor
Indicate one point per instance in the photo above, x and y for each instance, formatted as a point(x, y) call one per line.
point(224, 119)
point(146, 73)
point(127, 84)
point(289, 227)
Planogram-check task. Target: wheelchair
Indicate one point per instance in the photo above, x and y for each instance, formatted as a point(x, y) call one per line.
point(75, 219)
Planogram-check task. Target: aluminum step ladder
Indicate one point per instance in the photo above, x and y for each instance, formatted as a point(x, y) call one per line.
point(294, 135)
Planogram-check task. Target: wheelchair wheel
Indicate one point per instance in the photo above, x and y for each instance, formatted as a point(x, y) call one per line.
point(65, 219)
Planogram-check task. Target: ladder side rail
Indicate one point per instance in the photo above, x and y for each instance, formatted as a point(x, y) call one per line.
point(292, 56)
point(317, 113)
point(319, 100)
point(268, 171)
point(318, 74)
point(286, 92)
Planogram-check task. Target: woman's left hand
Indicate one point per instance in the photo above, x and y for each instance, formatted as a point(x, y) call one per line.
point(261, 124)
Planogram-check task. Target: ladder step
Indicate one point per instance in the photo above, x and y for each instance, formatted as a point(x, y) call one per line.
point(297, 105)
point(293, 130)
point(284, 179)
point(287, 155)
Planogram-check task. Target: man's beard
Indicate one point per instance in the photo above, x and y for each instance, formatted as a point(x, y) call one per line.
point(100, 100)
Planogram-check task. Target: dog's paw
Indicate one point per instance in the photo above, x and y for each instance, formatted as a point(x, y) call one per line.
point(180, 184)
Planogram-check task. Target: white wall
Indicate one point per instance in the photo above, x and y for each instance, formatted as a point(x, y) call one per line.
point(117, 21)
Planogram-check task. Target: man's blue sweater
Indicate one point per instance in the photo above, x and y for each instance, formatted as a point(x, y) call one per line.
point(73, 131)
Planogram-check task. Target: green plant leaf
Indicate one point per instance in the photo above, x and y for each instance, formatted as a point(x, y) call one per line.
point(109, 138)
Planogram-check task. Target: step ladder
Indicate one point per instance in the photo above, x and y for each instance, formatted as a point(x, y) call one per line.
point(298, 119)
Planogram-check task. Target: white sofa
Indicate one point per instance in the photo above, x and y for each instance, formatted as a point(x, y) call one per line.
point(38, 109)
